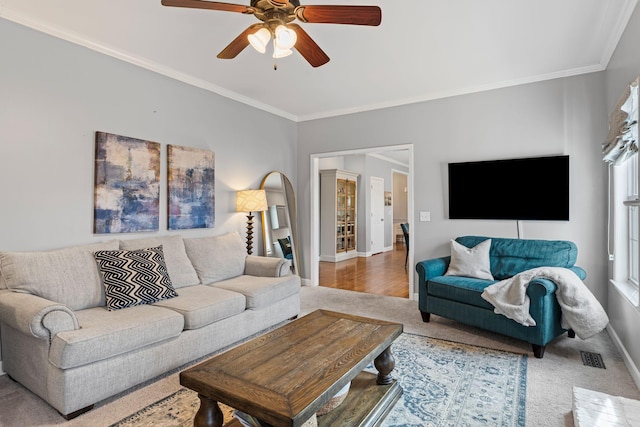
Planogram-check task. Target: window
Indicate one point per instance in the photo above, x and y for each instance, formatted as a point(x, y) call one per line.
point(620, 151)
point(632, 220)
point(625, 229)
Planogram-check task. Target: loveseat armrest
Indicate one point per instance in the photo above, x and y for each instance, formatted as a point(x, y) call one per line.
point(427, 270)
point(432, 268)
point(579, 272)
point(540, 287)
point(263, 266)
point(33, 315)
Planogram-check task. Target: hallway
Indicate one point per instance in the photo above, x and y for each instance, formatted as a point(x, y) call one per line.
point(382, 274)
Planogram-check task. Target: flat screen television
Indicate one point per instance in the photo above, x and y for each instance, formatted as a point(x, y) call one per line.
point(535, 188)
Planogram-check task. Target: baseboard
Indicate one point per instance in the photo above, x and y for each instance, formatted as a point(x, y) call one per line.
point(341, 256)
point(303, 281)
point(1, 371)
point(369, 253)
point(631, 366)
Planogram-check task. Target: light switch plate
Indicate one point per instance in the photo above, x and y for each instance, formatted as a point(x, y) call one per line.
point(425, 216)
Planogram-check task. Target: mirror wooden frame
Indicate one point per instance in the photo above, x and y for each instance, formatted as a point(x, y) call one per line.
point(280, 220)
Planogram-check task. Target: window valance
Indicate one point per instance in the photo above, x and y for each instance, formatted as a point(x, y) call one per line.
point(622, 140)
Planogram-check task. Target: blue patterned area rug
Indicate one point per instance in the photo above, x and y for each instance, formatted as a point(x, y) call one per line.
point(446, 384)
point(451, 384)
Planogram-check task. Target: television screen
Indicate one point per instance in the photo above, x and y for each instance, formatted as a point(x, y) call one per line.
point(534, 188)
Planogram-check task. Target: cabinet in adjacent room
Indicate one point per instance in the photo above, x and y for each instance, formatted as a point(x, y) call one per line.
point(338, 214)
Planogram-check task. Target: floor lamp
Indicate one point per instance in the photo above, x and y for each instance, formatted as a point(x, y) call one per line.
point(251, 201)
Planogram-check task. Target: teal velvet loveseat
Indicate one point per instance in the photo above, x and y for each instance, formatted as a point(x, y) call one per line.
point(459, 297)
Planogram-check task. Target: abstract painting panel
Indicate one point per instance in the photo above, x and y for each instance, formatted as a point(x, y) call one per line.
point(127, 184)
point(190, 173)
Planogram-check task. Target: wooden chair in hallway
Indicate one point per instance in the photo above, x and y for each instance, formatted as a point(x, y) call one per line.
point(405, 233)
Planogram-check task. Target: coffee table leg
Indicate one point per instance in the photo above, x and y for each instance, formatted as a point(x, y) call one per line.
point(385, 363)
point(209, 413)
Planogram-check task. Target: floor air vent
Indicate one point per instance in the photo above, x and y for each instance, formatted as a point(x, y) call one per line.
point(592, 359)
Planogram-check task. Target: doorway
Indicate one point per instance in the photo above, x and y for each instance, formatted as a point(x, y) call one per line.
point(376, 209)
point(400, 209)
point(400, 155)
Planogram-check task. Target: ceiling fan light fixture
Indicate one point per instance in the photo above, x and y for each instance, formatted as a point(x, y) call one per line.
point(285, 37)
point(259, 39)
point(277, 17)
point(281, 53)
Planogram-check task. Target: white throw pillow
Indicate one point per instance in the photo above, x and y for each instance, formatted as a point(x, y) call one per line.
point(470, 262)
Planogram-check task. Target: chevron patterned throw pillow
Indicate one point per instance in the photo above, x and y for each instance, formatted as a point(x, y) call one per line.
point(134, 277)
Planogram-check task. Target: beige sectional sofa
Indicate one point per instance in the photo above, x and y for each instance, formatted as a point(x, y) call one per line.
point(61, 341)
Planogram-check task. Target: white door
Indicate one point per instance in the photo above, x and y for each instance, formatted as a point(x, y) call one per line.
point(377, 214)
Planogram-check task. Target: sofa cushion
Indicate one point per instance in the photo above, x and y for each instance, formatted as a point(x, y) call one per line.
point(134, 277)
point(104, 334)
point(218, 257)
point(470, 262)
point(68, 276)
point(201, 305)
point(261, 292)
point(179, 265)
point(466, 290)
point(512, 256)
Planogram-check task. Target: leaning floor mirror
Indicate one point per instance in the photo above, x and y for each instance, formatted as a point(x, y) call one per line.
point(279, 222)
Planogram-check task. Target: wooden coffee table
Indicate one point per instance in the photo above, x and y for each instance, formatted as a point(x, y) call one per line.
point(285, 376)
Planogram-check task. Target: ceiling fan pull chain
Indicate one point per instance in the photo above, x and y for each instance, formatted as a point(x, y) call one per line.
point(275, 59)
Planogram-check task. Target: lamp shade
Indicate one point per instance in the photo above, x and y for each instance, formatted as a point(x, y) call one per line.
point(285, 37)
point(251, 201)
point(281, 53)
point(259, 39)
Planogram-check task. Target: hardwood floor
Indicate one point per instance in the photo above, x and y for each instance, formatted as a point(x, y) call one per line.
point(382, 274)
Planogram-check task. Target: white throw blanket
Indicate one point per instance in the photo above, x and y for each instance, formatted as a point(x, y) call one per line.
point(581, 311)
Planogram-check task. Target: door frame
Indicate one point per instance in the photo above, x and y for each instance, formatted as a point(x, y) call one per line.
point(370, 218)
point(314, 180)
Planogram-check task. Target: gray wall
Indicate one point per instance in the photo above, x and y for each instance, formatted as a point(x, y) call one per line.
point(623, 68)
point(562, 116)
point(55, 95)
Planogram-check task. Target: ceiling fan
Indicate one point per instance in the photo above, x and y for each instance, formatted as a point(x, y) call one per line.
point(277, 17)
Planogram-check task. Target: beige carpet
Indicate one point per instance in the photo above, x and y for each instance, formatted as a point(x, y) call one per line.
point(549, 380)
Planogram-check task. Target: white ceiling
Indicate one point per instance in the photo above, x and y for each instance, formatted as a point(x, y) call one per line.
point(423, 50)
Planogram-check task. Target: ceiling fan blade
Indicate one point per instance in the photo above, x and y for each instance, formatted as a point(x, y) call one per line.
point(308, 48)
point(356, 15)
point(212, 5)
point(238, 44)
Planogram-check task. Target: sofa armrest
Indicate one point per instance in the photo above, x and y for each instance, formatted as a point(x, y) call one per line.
point(540, 287)
point(432, 267)
point(426, 270)
point(579, 272)
point(33, 315)
point(263, 266)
